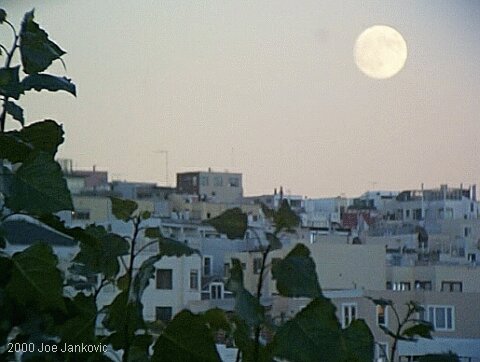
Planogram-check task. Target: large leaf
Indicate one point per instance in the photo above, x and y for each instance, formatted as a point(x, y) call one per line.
point(12, 148)
point(102, 256)
point(3, 240)
point(48, 82)
point(35, 279)
point(170, 247)
point(273, 241)
point(123, 209)
point(296, 275)
point(15, 111)
point(80, 327)
point(10, 83)
point(284, 218)
point(123, 318)
point(247, 307)
point(43, 136)
point(186, 339)
point(314, 334)
point(359, 342)
point(38, 187)
point(143, 276)
point(233, 223)
point(420, 329)
point(37, 50)
point(19, 146)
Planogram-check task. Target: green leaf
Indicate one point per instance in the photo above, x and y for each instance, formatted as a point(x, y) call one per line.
point(143, 276)
point(102, 255)
point(123, 209)
point(76, 233)
point(15, 111)
point(153, 233)
point(3, 16)
point(80, 327)
point(274, 241)
point(296, 275)
point(3, 240)
point(314, 334)
point(186, 339)
point(216, 319)
point(123, 317)
point(170, 247)
point(48, 82)
point(35, 279)
point(441, 357)
point(139, 349)
point(235, 282)
point(233, 223)
point(12, 148)
point(247, 306)
point(38, 187)
point(18, 146)
point(10, 83)
point(359, 342)
point(37, 50)
point(421, 329)
point(43, 136)
point(284, 218)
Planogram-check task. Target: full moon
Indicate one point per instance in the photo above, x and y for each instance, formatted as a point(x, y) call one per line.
point(380, 52)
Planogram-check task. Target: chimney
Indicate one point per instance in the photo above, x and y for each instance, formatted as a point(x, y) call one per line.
point(94, 168)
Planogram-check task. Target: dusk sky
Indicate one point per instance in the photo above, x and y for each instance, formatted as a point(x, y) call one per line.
point(266, 88)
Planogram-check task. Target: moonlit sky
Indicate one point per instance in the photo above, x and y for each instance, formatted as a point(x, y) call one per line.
point(266, 88)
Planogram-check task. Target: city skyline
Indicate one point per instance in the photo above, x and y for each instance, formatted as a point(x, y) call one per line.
point(270, 90)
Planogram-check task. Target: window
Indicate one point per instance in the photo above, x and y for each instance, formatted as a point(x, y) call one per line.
point(81, 215)
point(452, 286)
point(382, 319)
point(226, 270)
point(203, 180)
point(163, 314)
point(234, 182)
point(467, 231)
point(216, 291)
point(349, 314)
point(257, 265)
point(218, 181)
point(207, 265)
point(194, 279)
point(442, 317)
point(472, 257)
point(381, 352)
point(398, 286)
point(423, 285)
point(164, 279)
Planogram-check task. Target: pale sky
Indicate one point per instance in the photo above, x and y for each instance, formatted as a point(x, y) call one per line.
point(266, 88)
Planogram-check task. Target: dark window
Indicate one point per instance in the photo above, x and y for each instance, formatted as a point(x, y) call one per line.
point(163, 314)
point(207, 265)
point(452, 286)
point(226, 270)
point(234, 182)
point(381, 315)
point(164, 279)
point(423, 285)
point(257, 265)
point(194, 279)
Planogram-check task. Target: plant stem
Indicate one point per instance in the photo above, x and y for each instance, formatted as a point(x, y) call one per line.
point(136, 225)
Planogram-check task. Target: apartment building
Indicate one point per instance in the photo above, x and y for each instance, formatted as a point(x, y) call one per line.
point(222, 187)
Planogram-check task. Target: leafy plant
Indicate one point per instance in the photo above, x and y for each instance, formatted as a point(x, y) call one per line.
point(407, 328)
